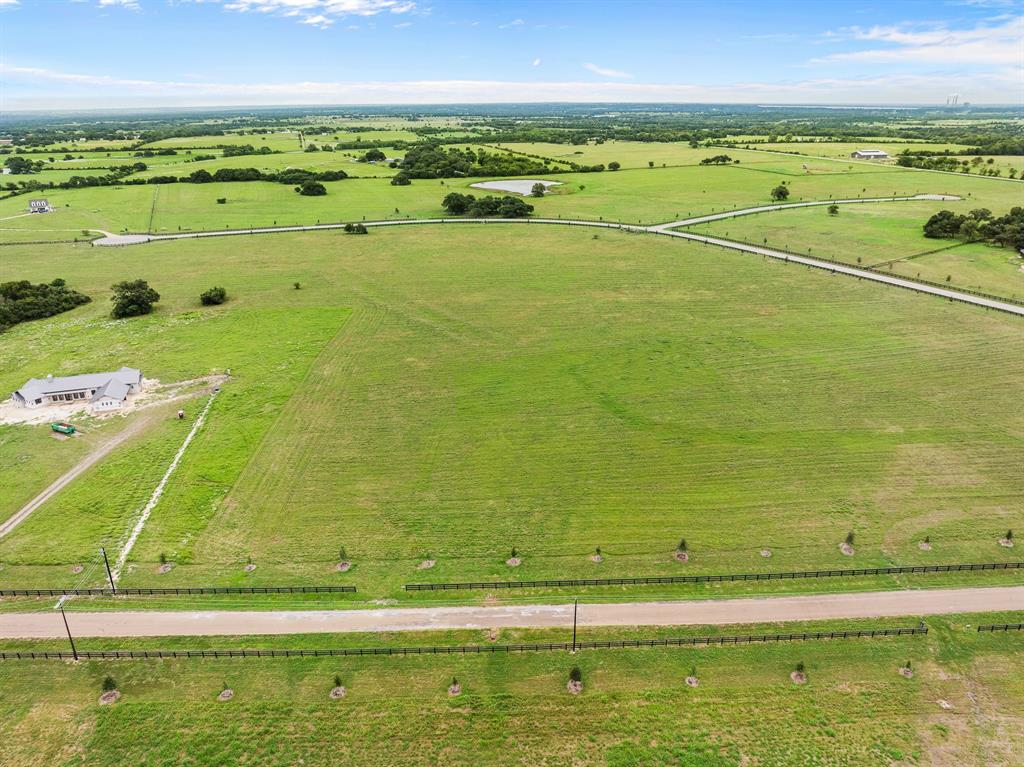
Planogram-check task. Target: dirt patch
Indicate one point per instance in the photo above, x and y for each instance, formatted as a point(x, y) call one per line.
point(343, 567)
point(681, 556)
point(691, 681)
point(596, 558)
point(924, 546)
point(426, 564)
point(226, 695)
point(798, 677)
point(109, 697)
point(337, 693)
point(77, 569)
point(58, 436)
point(766, 553)
point(847, 549)
point(513, 561)
point(1006, 543)
point(906, 672)
point(165, 568)
point(945, 705)
point(492, 635)
point(249, 567)
point(454, 689)
point(574, 688)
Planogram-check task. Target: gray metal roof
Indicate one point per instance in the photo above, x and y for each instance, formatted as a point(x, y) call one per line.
point(36, 388)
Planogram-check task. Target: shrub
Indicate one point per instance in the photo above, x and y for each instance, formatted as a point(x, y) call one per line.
point(213, 296)
point(163, 558)
point(297, 285)
point(1009, 535)
point(342, 554)
point(21, 301)
point(849, 538)
point(356, 229)
point(575, 675)
point(833, 210)
point(780, 193)
point(537, 190)
point(222, 200)
point(311, 189)
point(337, 680)
point(682, 545)
point(133, 298)
point(800, 667)
point(515, 552)
point(401, 179)
point(109, 685)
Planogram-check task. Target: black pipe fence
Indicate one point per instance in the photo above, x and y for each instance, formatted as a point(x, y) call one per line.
point(184, 591)
point(662, 579)
point(705, 641)
point(1002, 627)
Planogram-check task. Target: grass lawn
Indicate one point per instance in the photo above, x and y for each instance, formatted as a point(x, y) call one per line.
point(635, 709)
point(459, 391)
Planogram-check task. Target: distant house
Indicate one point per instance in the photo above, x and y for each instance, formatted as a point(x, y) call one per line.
point(6, 141)
point(104, 391)
point(39, 206)
point(869, 154)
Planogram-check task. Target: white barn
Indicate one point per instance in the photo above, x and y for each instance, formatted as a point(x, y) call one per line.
point(869, 154)
point(104, 391)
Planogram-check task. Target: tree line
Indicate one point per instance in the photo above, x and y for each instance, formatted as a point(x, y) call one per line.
point(21, 301)
point(979, 225)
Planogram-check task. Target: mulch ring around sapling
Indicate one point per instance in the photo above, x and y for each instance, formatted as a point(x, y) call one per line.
point(513, 561)
point(681, 556)
point(337, 693)
point(111, 696)
point(766, 553)
point(847, 549)
point(77, 569)
point(798, 677)
point(691, 681)
point(906, 672)
point(166, 568)
point(343, 567)
point(226, 694)
point(596, 558)
point(1006, 543)
point(574, 687)
point(924, 546)
point(426, 564)
point(454, 689)
point(249, 567)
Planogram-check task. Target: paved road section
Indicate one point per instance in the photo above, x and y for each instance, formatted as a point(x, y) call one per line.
point(881, 604)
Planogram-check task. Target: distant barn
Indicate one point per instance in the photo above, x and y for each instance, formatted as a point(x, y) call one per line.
point(869, 154)
point(39, 206)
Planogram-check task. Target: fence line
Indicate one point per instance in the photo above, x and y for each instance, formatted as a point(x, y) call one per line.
point(921, 629)
point(848, 573)
point(1002, 627)
point(183, 590)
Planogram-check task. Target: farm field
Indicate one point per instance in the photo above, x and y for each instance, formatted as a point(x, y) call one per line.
point(876, 234)
point(282, 140)
point(635, 708)
point(441, 399)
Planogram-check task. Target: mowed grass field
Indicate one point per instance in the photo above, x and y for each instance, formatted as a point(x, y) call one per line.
point(457, 391)
point(635, 709)
point(881, 235)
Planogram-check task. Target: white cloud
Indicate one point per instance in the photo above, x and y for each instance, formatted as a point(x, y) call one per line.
point(403, 25)
point(318, 21)
point(130, 5)
point(76, 90)
point(605, 71)
point(312, 9)
point(936, 44)
point(8, 2)
point(536, 62)
point(513, 23)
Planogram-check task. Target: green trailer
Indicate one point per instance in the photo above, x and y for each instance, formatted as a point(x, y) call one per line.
point(63, 428)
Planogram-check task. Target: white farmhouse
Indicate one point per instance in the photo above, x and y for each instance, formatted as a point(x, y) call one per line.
point(104, 391)
point(869, 154)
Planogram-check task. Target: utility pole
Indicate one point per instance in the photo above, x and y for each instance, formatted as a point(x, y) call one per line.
point(575, 605)
point(67, 628)
point(106, 563)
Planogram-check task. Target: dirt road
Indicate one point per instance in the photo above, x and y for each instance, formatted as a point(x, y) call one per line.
point(98, 453)
point(880, 604)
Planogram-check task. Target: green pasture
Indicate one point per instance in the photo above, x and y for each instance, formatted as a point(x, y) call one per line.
point(514, 709)
point(842, 150)
point(878, 234)
point(283, 140)
point(457, 391)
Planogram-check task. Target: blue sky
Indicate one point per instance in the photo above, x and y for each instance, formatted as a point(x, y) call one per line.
point(132, 53)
